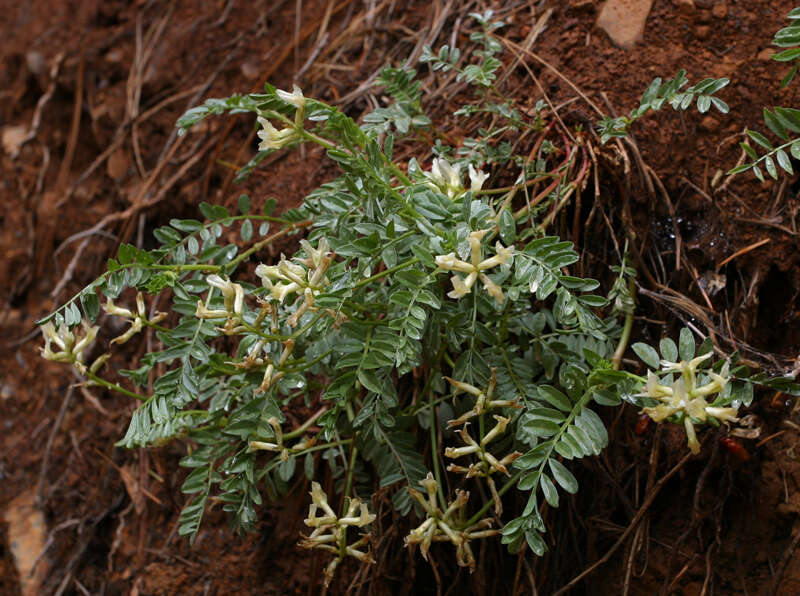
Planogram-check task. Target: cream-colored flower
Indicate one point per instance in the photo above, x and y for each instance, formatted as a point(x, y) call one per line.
point(449, 262)
point(117, 311)
point(691, 435)
point(476, 267)
point(688, 399)
point(462, 287)
point(306, 274)
point(494, 290)
point(315, 254)
point(232, 293)
point(445, 174)
point(272, 138)
point(280, 291)
point(476, 178)
point(446, 178)
point(204, 313)
point(446, 525)
point(294, 98)
point(330, 531)
point(72, 347)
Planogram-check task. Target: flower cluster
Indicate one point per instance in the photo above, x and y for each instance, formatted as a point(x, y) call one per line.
point(486, 464)
point(476, 268)
point(70, 348)
point(279, 446)
point(330, 531)
point(137, 320)
point(485, 399)
point(441, 525)
point(447, 178)
point(306, 278)
point(685, 400)
point(233, 301)
point(271, 137)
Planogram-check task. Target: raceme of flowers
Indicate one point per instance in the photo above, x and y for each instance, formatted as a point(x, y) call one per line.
point(487, 463)
point(685, 399)
point(271, 137)
point(330, 530)
point(440, 525)
point(447, 178)
point(476, 268)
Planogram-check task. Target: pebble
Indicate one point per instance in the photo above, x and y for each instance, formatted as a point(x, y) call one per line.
point(702, 31)
point(686, 6)
point(12, 139)
point(624, 20)
point(766, 54)
point(36, 64)
point(117, 164)
point(720, 10)
point(250, 70)
point(709, 124)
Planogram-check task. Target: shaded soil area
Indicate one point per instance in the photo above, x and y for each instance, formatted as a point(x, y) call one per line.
point(89, 94)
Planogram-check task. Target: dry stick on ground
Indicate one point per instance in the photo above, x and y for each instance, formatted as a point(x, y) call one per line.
point(45, 208)
point(527, 44)
point(36, 121)
point(651, 175)
point(49, 445)
point(742, 251)
point(781, 569)
point(322, 40)
point(119, 137)
point(140, 202)
point(697, 517)
point(274, 65)
point(557, 72)
point(514, 48)
point(144, 52)
point(631, 527)
point(428, 39)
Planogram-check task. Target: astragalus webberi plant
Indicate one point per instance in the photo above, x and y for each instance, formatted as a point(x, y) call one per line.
point(427, 330)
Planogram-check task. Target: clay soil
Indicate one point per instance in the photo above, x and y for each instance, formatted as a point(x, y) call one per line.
point(89, 94)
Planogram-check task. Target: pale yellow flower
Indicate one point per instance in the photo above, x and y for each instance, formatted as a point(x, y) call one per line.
point(294, 98)
point(476, 268)
point(272, 138)
point(476, 178)
point(685, 397)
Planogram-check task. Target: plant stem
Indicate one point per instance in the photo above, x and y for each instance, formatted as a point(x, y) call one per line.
point(622, 345)
point(489, 504)
point(386, 272)
point(268, 240)
point(114, 386)
point(435, 451)
point(350, 471)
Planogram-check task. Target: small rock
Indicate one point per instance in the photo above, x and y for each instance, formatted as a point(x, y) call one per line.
point(702, 31)
point(766, 54)
point(709, 124)
point(720, 10)
point(36, 64)
point(26, 535)
point(117, 164)
point(624, 20)
point(13, 138)
point(114, 56)
point(250, 70)
point(686, 6)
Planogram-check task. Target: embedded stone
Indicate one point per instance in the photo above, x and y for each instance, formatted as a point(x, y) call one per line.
point(624, 21)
